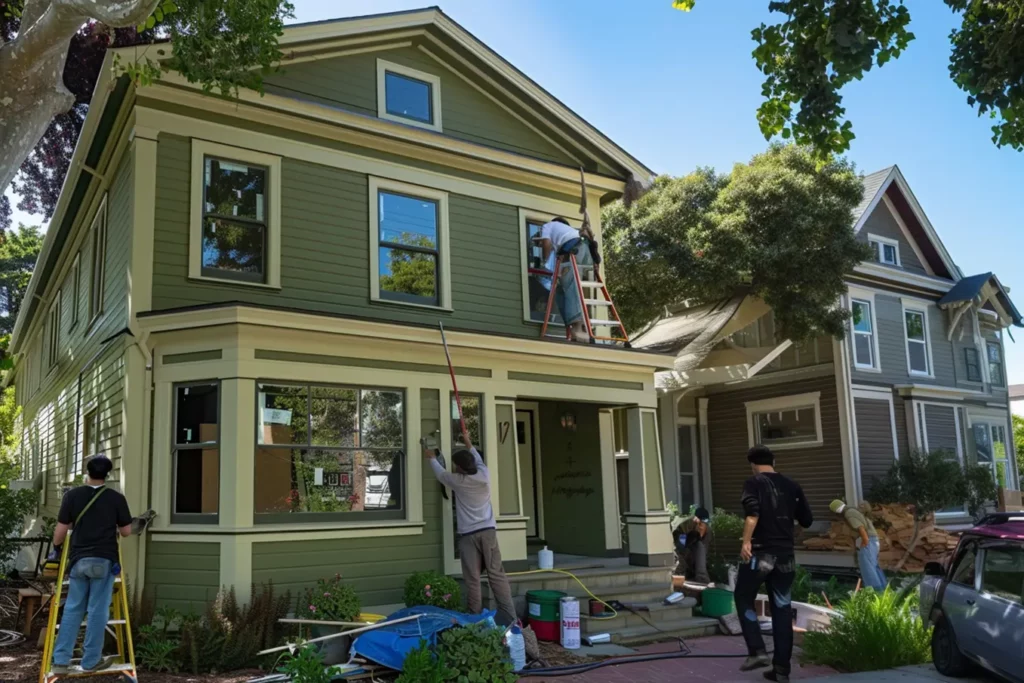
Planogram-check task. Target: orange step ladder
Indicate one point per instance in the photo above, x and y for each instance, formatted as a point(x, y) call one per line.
point(599, 299)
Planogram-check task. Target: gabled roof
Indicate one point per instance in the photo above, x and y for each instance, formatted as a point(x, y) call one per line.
point(890, 183)
point(973, 288)
point(455, 43)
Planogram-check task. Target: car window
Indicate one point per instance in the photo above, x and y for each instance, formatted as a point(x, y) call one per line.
point(965, 566)
point(1002, 572)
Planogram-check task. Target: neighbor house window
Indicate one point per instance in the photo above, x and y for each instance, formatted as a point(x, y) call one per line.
point(995, 363)
point(537, 271)
point(786, 421)
point(409, 244)
point(90, 435)
point(53, 332)
point(408, 95)
point(887, 250)
point(326, 452)
point(97, 260)
point(991, 451)
point(973, 365)
point(236, 215)
point(197, 452)
point(918, 361)
point(863, 334)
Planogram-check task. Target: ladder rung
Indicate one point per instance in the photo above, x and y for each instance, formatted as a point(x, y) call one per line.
point(76, 671)
point(591, 284)
point(605, 323)
point(112, 622)
point(597, 302)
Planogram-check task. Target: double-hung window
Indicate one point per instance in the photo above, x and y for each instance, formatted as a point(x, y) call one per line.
point(786, 421)
point(236, 215)
point(409, 244)
point(537, 271)
point(973, 364)
point(408, 95)
point(328, 452)
point(887, 250)
point(197, 452)
point(863, 334)
point(98, 260)
point(918, 354)
point(995, 363)
point(991, 450)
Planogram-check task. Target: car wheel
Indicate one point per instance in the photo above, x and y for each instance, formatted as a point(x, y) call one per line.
point(946, 654)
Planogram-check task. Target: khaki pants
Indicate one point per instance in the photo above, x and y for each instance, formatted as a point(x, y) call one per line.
point(478, 552)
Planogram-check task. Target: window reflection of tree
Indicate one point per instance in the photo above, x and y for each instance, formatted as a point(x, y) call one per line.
point(234, 215)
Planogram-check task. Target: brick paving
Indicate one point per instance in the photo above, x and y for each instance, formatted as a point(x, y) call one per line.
point(696, 670)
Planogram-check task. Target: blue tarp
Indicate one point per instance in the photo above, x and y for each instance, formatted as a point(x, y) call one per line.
point(389, 645)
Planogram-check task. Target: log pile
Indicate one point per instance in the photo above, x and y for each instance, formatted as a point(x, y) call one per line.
point(895, 527)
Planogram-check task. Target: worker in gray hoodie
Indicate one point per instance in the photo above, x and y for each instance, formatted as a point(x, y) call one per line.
point(478, 537)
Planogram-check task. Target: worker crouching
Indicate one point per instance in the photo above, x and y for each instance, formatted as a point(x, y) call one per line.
point(691, 537)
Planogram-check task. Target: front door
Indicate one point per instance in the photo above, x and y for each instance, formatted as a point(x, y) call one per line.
point(528, 471)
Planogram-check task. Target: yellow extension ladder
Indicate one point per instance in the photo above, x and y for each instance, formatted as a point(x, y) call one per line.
point(119, 623)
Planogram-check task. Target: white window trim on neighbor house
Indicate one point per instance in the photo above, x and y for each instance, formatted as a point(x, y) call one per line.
point(384, 66)
point(782, 403)
point(444, 281)
point(272, 259)
point(879, 243)
point(918, 306)
point(865, 296)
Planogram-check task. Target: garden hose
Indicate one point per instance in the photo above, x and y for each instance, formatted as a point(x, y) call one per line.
point(577, 579)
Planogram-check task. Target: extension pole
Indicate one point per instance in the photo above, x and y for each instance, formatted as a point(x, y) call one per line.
point(451, 371)
point(371, 627)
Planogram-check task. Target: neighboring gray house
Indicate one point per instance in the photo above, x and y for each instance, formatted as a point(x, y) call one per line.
point(922, 369)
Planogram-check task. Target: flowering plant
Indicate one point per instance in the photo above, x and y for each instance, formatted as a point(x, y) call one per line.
point(331, 600)
point(433, 588)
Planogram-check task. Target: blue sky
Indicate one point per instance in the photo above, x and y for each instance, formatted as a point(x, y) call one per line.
point(679, 90)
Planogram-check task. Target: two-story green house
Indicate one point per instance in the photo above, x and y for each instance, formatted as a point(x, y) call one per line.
point(238, 302)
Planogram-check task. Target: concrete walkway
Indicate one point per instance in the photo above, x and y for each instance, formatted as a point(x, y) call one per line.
point(924, 673)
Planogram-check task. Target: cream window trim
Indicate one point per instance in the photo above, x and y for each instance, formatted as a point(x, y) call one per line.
point(444, 284)
point(272, 259)
point(780, 404)
point(383, 67)
point(883, 242)
point(920, 306)
point(866, 296)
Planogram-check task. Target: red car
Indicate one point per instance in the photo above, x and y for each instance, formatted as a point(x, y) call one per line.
point(976, 604)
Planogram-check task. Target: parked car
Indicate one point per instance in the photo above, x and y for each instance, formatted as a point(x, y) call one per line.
point(976, 603)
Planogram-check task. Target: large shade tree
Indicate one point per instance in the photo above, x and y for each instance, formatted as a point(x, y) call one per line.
point(819, 46)
point(51, 52)
point(778, 227)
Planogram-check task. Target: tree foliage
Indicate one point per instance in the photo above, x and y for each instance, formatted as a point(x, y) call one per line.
point(1018, 444)
point(820, 47)
point(223, 45)
point(19, 250)
point(778, 227)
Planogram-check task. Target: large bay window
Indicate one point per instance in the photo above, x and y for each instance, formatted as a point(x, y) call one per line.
point(196, 461)
point(328, 452)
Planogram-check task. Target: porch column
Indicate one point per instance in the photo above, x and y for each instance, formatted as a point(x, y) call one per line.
point(609, 483)
point(650, 543)
point(506, 493)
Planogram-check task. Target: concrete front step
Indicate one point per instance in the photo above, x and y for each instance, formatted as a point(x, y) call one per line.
point(657, 614)
point(691, 627)
point(598, 580)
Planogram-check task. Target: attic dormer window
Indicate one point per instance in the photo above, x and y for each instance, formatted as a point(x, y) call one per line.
point(408, 95)
point(887, 250)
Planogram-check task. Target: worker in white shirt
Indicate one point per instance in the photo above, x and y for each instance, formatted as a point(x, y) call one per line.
point(558, 238)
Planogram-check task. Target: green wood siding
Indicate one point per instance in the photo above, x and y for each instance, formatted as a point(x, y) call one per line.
point(377, 566)
point(325, 251)
point(184, 576)
point(50, 395)
point(466, 114)
point(881, 222)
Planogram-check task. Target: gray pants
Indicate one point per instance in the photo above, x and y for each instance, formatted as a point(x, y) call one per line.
point(479, 552)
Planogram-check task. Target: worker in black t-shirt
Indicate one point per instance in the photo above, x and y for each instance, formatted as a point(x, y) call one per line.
point(97, 515)
point(772, 503)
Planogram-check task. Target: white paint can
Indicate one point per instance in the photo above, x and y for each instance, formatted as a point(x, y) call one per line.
point(569, 608)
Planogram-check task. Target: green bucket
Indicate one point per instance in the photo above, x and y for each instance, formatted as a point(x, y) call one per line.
point(543, 610)
point(715, 602)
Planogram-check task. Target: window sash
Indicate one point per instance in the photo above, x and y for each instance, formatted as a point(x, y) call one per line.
point(886, 248)
point(862, 314)
point(786, 440)
point(243, 221)
point(76, 271)
point(973, 364)
point(921, 343)
point(388, 76)
point(188, 447)
point(387, 246)
point(98, 260)
point(995, 364)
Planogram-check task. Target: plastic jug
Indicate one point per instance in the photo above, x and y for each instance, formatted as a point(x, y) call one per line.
point(546, 558)
point(517, 648)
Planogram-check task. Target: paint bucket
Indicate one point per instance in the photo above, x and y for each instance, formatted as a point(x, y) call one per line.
point(715, 602)
point(596, 607)
point(570, 608)
point(542, 608)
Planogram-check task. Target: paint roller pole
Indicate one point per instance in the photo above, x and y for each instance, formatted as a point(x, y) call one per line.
point(451, 371)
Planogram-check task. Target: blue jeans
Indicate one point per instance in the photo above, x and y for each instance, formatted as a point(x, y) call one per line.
point(870, 573)
point(567, 296)
point(92, 586)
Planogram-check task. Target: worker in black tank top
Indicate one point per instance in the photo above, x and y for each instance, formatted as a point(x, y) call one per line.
point(772, 504)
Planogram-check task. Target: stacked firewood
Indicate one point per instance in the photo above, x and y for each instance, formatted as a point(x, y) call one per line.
point(895, 527)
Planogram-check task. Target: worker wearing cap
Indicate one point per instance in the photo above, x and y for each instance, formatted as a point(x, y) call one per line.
point(867, 545)
point(690, 538)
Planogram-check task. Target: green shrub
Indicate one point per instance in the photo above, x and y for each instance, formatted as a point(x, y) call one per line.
point(305, 665)
point(14, 505)
point(331, 600)
point(876, 631)
point(155, 651)
point(433, 588)
point(424, 666)
point(726, 524)
point(476, 653)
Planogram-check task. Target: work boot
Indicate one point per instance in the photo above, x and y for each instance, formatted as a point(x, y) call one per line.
point(758, 660)
point(60, 669)
point(104, 663)
point(775, 676)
